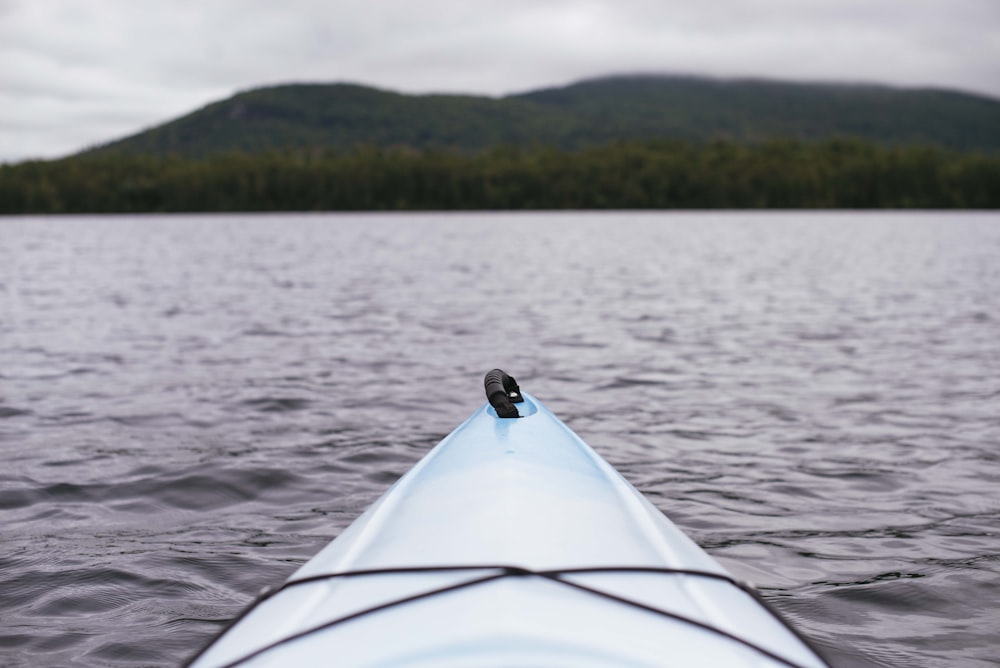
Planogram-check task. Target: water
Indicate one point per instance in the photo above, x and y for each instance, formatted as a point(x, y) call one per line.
point(192, 406)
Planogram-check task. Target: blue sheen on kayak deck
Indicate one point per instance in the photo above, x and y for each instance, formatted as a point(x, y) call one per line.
point(524, 492)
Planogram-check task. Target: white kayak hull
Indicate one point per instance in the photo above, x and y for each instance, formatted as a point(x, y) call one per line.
point(518, 507)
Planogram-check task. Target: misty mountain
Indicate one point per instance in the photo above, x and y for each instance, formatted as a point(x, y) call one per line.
point(344, 116)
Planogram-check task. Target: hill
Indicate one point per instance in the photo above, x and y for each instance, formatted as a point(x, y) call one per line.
point(588, 113)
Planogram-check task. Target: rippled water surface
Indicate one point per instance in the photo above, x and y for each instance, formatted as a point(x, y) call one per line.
point(190, 407)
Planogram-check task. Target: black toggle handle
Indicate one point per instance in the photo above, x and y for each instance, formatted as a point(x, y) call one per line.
point(502, 392)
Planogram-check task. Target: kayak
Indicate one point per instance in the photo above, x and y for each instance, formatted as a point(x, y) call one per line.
point(511, 543)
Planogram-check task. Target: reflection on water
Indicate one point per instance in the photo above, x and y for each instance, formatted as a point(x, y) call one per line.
point(192, 406)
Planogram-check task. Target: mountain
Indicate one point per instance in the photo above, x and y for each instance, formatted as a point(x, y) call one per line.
point(343, 116)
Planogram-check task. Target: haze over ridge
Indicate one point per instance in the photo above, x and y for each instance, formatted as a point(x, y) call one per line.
point(72, 74)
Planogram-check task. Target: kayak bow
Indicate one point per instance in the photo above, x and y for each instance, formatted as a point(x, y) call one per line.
point(511, 543)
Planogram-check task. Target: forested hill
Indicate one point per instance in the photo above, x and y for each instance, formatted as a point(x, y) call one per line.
point(589, 113)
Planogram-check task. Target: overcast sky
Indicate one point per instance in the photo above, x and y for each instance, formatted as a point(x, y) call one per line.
point(79, 72)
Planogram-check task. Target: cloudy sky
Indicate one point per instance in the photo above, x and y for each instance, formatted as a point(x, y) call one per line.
point(78, 72)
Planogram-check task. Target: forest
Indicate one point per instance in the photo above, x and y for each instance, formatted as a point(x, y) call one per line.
point(583, 115)
point(650, 174)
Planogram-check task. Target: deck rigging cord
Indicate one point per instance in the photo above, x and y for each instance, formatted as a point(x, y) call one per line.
point(496, 572)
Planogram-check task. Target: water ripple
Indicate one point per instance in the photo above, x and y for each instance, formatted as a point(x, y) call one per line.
point(190, 407)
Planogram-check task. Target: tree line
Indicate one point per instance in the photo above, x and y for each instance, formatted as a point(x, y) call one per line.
point(844, 173)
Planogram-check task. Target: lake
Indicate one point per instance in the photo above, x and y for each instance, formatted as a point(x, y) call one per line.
point(192, 406)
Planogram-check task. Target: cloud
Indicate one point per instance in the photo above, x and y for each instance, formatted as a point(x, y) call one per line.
point(74, 74)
